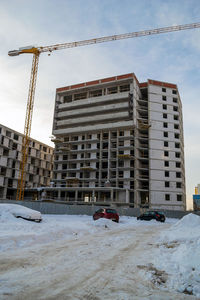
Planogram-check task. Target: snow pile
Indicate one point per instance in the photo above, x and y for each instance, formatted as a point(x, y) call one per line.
point(179, 255)
point(18, 210)
point(105, 223)
point(16, 233)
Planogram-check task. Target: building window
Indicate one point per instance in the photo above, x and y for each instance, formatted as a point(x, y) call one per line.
point(166, 163)
point(74, 147)
point(80, 96)
point(124, 88)
point(175, 108)
point(67, 99)
point(174, 92)
point(164, 116)
point(166, 183)
point(176, 126)
point(178, 174)
point(178, 185)
point(164, 90)
point(165, 134)
point(179, 197)
point(165, 125)
point(8, 133)
point(16, 137)
point(14, 147)
point(105, 135)
point(167, 197)
point(176, 117)
point(166, 173)
point(112, 90)
point(74, 138)
point(175, 100)
point(121, 184)
point(177, 145)
point(177, 154)
point(164, 106)
point(96, 93)
point(166, 153)
point(5, 152)
point(121, 174)
point(164, 98)
point(178, 164)
point(176, 135)
point(113, 134)
point(166, 144)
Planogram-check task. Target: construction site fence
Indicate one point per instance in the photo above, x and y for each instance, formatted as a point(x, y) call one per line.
point(73, 208)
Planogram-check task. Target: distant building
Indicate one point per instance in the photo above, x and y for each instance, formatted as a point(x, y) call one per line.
point(196, 198)
point(118, 141)
point(38, 168)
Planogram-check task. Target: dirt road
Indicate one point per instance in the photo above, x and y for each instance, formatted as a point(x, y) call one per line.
point(111, 264)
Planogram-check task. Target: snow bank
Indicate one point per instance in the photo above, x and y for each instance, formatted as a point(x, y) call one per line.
point(179, 254)
point(186, 228)
point(105, 223)
point(18, 210)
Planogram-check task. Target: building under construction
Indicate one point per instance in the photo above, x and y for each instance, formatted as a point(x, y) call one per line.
point(38, 171)
point(119, 141)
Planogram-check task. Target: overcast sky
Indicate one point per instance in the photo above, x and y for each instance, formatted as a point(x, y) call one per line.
point(172, 57)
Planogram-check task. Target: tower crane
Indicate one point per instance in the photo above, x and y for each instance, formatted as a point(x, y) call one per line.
point(36, 51)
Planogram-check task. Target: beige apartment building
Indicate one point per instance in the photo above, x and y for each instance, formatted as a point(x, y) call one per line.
point(38, 168)
point(119, 141)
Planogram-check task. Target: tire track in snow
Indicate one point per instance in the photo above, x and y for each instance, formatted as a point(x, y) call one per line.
point(75, 269)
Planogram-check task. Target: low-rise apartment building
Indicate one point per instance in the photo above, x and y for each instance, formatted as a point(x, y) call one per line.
point(38, 168)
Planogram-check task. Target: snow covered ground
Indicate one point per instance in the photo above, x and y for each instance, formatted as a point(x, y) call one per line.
point(73, 257)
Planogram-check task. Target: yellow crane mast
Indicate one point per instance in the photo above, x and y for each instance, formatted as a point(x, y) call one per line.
point(36, 52)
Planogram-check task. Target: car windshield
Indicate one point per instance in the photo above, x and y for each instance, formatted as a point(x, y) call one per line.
point(111, 211)
point(147, 213)
point(156, 212)
point(99, 211)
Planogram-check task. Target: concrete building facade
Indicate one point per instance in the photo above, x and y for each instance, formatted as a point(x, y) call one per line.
point(120, 141)
point(39, 164)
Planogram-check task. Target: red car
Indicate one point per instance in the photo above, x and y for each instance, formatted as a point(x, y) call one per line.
point(107, 213)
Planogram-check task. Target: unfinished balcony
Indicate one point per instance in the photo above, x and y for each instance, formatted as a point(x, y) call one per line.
point(143, 185)
point(143, 124)
point(64, 148)
point(143, 143)
point(72, 181)
point(87, 169)
point(143, 165)
point(143, 154)
point(125, 156)
point(143, 175)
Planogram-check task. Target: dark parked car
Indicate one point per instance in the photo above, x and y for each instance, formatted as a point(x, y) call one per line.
point(107, 213)
point(152, 215)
